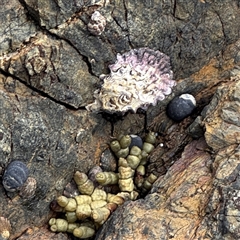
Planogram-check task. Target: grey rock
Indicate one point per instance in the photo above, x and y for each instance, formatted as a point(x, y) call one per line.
point(50, 64)
point(15, 26)
point(39, 64)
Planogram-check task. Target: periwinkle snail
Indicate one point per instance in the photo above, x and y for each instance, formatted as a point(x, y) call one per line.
point(98, 198)
point(15, 176)
point(181, 107)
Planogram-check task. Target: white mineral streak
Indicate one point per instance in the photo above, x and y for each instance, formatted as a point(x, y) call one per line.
point(138, 78)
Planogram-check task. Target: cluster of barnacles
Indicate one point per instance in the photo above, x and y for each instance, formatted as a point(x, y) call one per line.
point(87, 211)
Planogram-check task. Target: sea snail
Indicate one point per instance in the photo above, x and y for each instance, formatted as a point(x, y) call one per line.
point(15, 176)
point(181, 107)
point(94, 204)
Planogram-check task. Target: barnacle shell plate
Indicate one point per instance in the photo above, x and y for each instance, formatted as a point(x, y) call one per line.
point(138, 78)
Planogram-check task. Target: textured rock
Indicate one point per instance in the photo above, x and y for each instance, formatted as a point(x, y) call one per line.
point(43, 133)
point(15, 26)
point(39, 64)
point(50, 65)
point(222, 121)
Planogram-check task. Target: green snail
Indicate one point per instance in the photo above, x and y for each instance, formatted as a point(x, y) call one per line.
point(87, 211)
point(85, 185)
point(107, 178)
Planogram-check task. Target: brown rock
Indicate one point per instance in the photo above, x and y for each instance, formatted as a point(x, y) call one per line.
point(50, 66)
point(222, 121)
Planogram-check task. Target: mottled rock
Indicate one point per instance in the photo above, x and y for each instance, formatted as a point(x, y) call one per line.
point(50, 14)
point(15, 26)
point(222, 121)
point(39, 64)
point(43, 234)
point(51, 65)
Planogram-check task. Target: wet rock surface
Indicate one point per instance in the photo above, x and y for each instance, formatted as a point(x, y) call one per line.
point(50, 64)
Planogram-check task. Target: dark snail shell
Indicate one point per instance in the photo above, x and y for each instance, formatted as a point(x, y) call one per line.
point(136, 141)
point(181, 107)
point(15, 176)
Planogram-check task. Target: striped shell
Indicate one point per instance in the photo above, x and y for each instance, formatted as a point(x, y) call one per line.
point(15, 176)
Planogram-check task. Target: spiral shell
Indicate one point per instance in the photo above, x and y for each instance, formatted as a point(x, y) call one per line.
point(83, 232)
point(71, 217)
point(98, 204)
point(97, 23)
point(85, 185)
point(83, 211)
point(133, 161)
point(147, 184)
point(151, 138)
point(15, 176)
point(125, 141)
point(58, 225)
point(115, 146)
point(107, 178)
point(112, 198)
point(100, 215)
point(126, 185)
point(69, 204)
point(83, 199)
point(5, 228)
point(72, 226)
point(98, 194)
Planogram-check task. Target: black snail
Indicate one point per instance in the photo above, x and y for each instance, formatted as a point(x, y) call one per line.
point(181, 107)
point(15, 176)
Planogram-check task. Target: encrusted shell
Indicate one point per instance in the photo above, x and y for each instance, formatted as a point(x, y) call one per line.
point(5, 228)
point(28, 189)
point(97, 23)
point(138, 78)
point(15, 176)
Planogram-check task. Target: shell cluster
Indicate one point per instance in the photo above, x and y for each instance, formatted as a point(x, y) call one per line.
point(97, 23)
point(86, 211)
point(138, 78)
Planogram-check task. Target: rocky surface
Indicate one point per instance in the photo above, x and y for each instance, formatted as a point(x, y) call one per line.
point(50, 66)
